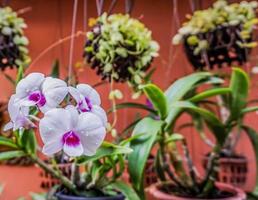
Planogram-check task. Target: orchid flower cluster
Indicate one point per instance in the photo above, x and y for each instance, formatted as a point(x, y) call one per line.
point(73, 120)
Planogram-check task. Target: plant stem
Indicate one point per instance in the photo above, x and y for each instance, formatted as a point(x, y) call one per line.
point(190, 166)
point(212, 168)
point(64, 180)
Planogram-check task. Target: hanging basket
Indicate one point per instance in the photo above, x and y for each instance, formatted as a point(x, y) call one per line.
point(220, 35)
point(120, 48)
point(232, 170)
point(13, 43)
point(223, 51)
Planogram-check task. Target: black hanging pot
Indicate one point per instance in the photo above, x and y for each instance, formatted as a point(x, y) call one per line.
point(61, 196)
point(223, 50)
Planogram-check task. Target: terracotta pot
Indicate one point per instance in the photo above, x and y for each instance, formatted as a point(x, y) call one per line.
point(150, 176)
point(48, 181)
point(232, 171)
point(61, 196)
point(155, 194)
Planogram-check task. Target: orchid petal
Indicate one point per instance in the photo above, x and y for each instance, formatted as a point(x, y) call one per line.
point(88, 121)
point(89, 92)
point(100, 113)
point(91, 140)
point(55, 123)
point(30, 83)
point(72, 150)
point(8, 126)
point(52, 147)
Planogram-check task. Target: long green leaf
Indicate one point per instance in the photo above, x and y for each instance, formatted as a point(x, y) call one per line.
point(213, 122)
point(157, 98)
point(249, 109)
point(253, 136)
point(11, 154)
point(7, 142)
point(183, 85)
point(132, 105)
point(141, 150)
point(126, 190)
point(55, 69)
point(29, 142)
point(106, 149)
point(178, 90)
point(209, 93)
point(239, 86)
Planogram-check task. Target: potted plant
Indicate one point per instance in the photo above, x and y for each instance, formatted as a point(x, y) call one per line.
point(13, 43)
point(220, 35)
point(120, 48)
point(72, 121)
point(179, 181)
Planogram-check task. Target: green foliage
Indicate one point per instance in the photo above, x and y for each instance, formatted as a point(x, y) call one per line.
point(55, 72)
point(128, 192)
point(157, 98)
point(11, 154)
point(239, 86)
point(148, 128)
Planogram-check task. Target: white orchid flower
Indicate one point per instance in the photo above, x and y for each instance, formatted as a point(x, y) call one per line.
point(88, 100)
point(45, 93)
point(77, 134)
point(19, 116)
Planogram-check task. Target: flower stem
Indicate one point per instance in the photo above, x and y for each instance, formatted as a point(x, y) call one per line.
point(64, 180)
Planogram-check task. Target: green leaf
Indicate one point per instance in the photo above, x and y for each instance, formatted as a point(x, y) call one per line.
point(106, 149)
point(126, 190)
point(37, 196)
point(174, 137)
point(183, 85)
point(28, 141)
point(20, 74)
point(142, 146)
point(7, 142)
point(157, 98)
point(132, 105)
point(11, 154)
point(178, 90)
point(253, 136)
point(209, 93)
point(212, 121)
point(239, 86)
point(55, 73)
point(249, 109)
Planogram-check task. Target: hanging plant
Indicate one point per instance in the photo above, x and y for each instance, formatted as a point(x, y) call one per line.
point(219, 35)
point(121, 48)
point(13, 43)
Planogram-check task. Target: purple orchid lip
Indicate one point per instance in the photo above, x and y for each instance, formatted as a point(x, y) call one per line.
point(82, 106)
point(71, 139)
point(38, 98)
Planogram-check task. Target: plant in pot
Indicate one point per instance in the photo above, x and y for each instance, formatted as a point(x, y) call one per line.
point(176, 179)
point(13, 43)
point(70, 119)
point(120, 49)
point(220, 35)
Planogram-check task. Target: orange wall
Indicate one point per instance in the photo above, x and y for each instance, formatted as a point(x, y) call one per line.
point(50, 20)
